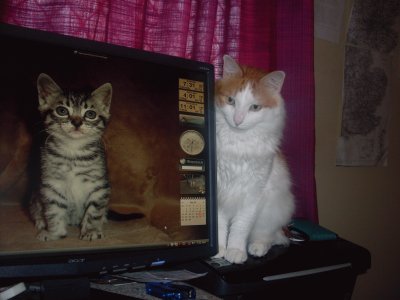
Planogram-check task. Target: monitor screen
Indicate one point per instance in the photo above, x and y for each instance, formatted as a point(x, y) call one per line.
point(140, 194)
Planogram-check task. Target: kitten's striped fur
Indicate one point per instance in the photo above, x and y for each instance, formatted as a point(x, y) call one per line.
point(74, 188)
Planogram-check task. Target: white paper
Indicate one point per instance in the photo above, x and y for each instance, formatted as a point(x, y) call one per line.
point(162, 276)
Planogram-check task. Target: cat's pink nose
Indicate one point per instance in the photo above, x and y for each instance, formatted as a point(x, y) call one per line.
point(238, 118)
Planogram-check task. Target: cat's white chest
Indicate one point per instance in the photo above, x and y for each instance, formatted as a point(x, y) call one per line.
point(75, 188)
point(66, 176)
point(244, 163)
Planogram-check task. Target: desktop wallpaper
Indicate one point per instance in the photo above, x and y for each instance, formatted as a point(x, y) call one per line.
point(151, 169)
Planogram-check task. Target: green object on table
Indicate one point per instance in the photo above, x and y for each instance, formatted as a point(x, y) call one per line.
point(314, 231)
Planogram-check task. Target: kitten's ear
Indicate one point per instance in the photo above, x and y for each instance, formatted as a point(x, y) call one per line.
point(274, 81)
point(103, 95)
point(231, 67)
point(47, 90)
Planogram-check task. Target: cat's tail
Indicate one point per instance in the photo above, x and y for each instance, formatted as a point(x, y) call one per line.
point(113, 215)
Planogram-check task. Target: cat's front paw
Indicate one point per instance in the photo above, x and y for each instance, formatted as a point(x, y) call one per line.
point(91, 235)
point(45, 236)
point(221, 252)
point(235, 256)
point(259, 249)
point(40, 224)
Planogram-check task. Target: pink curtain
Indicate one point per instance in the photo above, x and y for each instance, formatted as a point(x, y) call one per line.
point(268, 34)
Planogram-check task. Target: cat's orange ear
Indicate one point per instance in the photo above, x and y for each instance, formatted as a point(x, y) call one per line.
point(274, 81)
point(47, 89)
point(231, 68)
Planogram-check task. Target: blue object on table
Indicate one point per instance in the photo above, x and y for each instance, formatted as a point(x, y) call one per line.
point(170, 291)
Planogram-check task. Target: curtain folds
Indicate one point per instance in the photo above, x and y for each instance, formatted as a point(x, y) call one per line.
point(268, 34)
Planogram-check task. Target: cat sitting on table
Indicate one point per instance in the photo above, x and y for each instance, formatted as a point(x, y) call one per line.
point(254, 185)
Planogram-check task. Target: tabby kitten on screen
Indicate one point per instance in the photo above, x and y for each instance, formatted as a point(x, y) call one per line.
point(254, 185)
point(74, 188)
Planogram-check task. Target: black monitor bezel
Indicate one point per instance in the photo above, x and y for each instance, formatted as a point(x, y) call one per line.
point(100, 261)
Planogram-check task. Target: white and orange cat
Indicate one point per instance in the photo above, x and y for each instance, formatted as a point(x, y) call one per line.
point(254, 186)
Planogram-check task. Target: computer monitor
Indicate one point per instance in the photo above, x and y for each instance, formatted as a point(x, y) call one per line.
point(159, 148)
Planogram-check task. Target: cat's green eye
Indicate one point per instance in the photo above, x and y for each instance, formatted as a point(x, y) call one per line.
point(255, 107)
point(231, 100)
point(90, 114)
point(62, 111)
